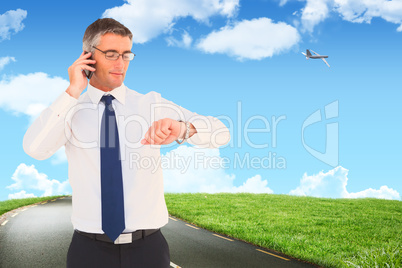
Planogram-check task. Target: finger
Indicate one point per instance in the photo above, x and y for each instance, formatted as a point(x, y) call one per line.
point(151, 141)
point(84, 62)
point(152, 130)
point(161, 131)
point(148, 135)
point(147, 141)
point(156, 140)
point(84, 67)
point(83, 56)
point(88, 61)
point(165, 125)
point(84, 74)
point(154, 134)
point(160, 134)
point(89, 68)
point(86, 55)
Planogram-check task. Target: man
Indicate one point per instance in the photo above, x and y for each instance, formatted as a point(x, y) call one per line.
point(118, 204)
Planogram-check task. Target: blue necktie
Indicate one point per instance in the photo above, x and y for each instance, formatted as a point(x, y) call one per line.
point(111, 175)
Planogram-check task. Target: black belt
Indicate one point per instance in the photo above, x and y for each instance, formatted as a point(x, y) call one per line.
point(125, 238)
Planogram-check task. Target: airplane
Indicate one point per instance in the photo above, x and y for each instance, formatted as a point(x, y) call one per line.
point(316, 56)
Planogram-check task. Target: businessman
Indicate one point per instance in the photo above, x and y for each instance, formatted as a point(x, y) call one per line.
point(118, 205)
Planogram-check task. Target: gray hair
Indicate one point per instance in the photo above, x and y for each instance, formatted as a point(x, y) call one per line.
point(99, 28)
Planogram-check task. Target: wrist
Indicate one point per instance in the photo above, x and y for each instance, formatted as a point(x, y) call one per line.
point(183, 129)
point(184, 132)
point(73, 92)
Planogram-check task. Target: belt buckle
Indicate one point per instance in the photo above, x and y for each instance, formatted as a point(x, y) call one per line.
point(124, 239)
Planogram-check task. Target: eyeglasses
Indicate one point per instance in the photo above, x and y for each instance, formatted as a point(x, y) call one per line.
point(113, 55)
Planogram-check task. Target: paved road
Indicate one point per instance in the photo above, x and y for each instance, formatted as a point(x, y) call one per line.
point(40, 236)
point(37, 237)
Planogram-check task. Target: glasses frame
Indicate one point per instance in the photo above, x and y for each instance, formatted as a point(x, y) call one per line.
point(104, 52)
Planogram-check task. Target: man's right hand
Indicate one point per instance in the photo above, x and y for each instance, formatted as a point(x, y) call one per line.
point(78, 79)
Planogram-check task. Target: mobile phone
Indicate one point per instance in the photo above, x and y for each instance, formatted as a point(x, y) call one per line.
point(89, 73)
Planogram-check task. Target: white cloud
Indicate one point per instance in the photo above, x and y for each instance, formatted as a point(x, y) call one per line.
point(11, 21)
point(253, 185)
point(251, 39)
point(5, 60)
point(357, 11)
point(30, 94)
point(185, 41)
point(192, 170)
point(333, 184)
point(384, 193)
point(28, 177)
point(19, 195)
point(313, 13)
point(364, 10)
point(282, 2)
point(149, 18)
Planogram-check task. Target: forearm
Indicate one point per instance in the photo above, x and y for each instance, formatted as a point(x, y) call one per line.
point(73, 92)
point(48, 132)
point(210, 132)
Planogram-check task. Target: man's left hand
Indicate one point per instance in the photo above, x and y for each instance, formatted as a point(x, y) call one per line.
point(164, 131)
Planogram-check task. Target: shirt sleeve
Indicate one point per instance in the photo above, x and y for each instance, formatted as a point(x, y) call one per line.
point(211, 132)
point(50, 130)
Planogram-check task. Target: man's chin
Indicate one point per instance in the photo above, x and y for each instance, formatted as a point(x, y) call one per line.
point(107, 84)
point(117, 80)
point(116, 83)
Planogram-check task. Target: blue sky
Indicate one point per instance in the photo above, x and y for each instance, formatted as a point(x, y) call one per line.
point(239, 61)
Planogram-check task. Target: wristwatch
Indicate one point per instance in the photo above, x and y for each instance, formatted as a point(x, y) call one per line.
point(186, 136)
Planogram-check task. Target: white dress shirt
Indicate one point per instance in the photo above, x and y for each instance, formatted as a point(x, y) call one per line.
point(76, 125)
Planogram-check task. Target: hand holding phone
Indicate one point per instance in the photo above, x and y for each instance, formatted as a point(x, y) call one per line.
point(78, 78)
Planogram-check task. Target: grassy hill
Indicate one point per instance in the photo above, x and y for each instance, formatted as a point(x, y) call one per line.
point(11, 204)
point(328, 232)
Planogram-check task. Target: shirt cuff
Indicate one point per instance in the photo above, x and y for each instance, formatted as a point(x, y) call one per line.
point(63, 104)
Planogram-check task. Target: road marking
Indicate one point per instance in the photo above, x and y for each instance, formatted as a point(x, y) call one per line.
point(4, 223)
point(23, 209)
point(14, 215)
point(33, 206)
point(223, 237)
point(53, 200)
point(273, 255)
point(44, 202)
point(192, 226)
point(174, 265)
point(172, 219)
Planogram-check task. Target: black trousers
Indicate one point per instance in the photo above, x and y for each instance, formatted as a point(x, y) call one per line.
point(151, 251)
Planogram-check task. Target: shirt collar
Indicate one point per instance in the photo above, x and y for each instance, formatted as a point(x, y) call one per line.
point(96, 94)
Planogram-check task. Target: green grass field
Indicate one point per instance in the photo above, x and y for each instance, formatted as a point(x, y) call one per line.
point(327, 232)
point(11, 204)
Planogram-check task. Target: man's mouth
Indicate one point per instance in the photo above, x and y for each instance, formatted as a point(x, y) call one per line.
point(116, 73)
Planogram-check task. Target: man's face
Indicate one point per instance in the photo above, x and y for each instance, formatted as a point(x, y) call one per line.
point(110, 74)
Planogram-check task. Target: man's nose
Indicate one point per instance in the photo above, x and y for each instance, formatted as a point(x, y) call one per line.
point(119, 62)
